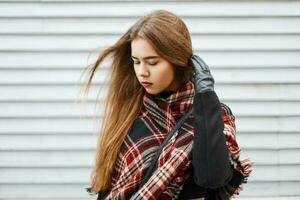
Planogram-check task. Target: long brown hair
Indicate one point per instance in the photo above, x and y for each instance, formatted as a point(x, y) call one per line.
point(170, 38)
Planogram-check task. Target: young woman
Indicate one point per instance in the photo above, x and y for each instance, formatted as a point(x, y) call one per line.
point(155, 79)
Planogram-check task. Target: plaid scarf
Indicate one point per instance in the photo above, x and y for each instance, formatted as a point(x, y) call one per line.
point(159, 114)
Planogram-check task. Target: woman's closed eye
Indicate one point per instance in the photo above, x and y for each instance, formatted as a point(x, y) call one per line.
point(136, 62)
point(153, 63)
point(150, 63)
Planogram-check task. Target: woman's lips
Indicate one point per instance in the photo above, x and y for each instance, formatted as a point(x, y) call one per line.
point(146, 84)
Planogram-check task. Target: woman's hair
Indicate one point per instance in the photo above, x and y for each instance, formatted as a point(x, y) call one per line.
point(170, 38)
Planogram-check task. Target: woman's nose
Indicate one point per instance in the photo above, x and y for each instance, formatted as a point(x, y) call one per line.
point(143, 71)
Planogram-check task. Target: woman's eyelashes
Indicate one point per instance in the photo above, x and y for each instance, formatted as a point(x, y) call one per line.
point(150, 63)
point(154, 63)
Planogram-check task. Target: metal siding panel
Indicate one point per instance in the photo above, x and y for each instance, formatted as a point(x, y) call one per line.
point(94, 25)
point(138, 8)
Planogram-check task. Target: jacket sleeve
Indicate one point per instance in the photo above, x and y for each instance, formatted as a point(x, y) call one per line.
point(216, 152)
point(210, 160)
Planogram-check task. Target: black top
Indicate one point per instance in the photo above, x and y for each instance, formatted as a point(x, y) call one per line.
point(165, 94)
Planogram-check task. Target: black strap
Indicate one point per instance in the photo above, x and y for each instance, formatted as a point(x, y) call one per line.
point(151, 168)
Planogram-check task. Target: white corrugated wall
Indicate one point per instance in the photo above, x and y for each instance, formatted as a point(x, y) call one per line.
point(47, 140)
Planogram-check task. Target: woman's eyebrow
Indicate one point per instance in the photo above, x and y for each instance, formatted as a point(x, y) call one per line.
point(145, 58)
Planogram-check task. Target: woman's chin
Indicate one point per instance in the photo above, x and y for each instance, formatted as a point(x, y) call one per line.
point(151, 91)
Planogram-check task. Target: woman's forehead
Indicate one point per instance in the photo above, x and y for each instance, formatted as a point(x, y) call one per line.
point(141, 49)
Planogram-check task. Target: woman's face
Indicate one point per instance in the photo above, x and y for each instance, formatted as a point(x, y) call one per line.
point(152, 68)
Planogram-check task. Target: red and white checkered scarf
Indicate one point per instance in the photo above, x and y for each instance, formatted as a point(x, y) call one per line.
point(159, 115)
